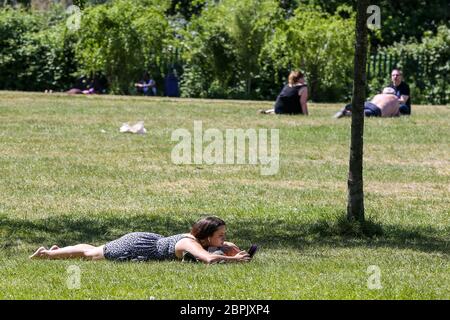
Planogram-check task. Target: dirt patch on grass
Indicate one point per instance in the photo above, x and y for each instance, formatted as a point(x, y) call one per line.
point(422, 190)
point(291, 184)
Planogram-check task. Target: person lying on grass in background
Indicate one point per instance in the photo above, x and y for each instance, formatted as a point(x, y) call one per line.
point(206, 233)
point(385, 104)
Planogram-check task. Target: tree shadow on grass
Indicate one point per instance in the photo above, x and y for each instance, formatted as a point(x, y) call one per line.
point(68, 230)
point(275, 233)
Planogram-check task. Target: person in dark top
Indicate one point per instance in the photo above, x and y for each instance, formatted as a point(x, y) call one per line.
point(401, 91)
point(207, 233)
point(293, 97)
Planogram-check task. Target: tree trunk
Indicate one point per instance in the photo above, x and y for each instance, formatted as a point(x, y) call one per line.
point(248, 86)
point(355, 206)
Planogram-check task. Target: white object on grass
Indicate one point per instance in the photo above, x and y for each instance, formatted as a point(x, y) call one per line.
point(135, 128)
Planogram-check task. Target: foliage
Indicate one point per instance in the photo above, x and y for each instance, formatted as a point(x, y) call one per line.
point(221, 49)
point(14, 28)
point(425, 66)
point(37, 52)
point(225, 43)
point(398, 19)
point(121, 39)
point(320, 44)
point(192, 83)
point(186, 8)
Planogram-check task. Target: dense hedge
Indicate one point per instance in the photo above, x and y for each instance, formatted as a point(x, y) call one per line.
point(36, 52)
point(425, 65)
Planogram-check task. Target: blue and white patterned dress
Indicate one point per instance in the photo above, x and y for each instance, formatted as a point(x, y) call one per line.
point(142, 246)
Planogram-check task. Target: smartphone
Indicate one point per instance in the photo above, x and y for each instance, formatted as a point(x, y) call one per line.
point(252, 250)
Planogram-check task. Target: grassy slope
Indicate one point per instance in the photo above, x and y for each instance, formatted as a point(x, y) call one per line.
point(69, 176)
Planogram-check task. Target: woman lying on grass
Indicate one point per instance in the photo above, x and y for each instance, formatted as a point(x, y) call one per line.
point(206, 233)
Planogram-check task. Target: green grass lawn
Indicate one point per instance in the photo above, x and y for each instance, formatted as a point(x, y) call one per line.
point(68, 176)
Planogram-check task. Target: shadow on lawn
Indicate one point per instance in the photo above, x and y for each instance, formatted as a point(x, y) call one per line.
point(69, 230)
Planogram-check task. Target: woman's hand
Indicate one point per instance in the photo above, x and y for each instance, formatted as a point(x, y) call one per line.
point(242, 256)
point(230, 249)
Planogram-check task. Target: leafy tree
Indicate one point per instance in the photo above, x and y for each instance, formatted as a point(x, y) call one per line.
point(15, 26)
point(425, 64)
point(186, 8)
point(208, 52)
point(320, 44)
point(399, 19)
point(288, 6)
point(225, 44)
point(252, 22)
point(122, 39)
point(36, 51)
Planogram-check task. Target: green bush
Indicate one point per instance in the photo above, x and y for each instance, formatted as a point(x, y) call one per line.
point(122, 39)
point(425, 66)
point(36, 51)
point(241, 49)
point(14, 28)
point(320, 44)
point(225, 44)
point(192, 83)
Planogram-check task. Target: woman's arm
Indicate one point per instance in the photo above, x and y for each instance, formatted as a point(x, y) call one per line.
point(303, 93)
point(194, 248)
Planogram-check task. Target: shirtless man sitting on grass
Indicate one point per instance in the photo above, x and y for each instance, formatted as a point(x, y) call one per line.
point(385, 104)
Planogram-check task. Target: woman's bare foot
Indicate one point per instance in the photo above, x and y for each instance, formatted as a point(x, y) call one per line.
point(54, 247)
point(39, 253)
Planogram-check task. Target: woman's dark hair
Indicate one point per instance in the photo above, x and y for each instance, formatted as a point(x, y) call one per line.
point(205, 227)
point(295, 76)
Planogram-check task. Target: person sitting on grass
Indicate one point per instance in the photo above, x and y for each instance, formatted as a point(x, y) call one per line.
point(402, 91)
point(147, 85)
point(384, 105)
point(293, 97)
point(206, 233)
